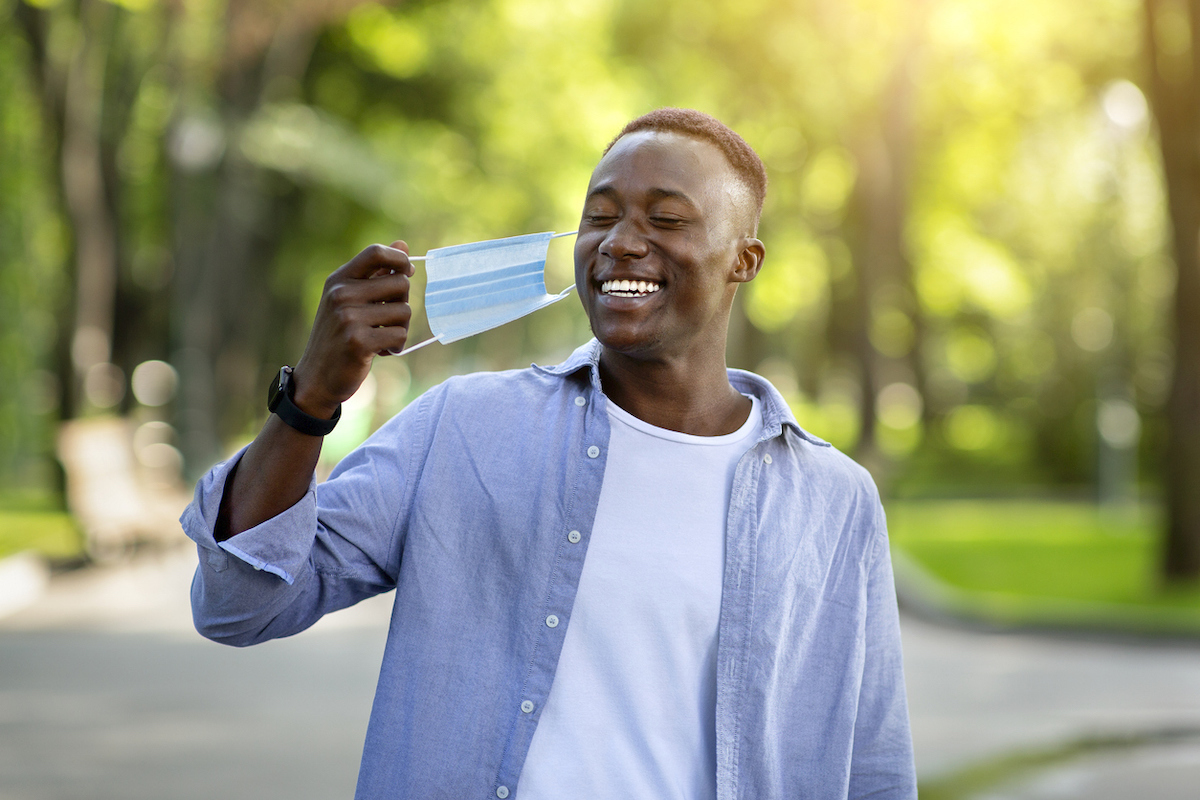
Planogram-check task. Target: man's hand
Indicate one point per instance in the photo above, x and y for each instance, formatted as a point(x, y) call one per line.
point(364, 312)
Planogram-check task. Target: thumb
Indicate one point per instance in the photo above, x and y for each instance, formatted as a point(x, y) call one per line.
point(402, 246)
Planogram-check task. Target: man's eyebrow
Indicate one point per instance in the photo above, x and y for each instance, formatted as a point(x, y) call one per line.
point(607, 190)
point(603, 190)
point(672, 193)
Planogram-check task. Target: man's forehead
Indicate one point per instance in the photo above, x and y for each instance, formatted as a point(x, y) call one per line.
point(666, 162)
point(669, 155)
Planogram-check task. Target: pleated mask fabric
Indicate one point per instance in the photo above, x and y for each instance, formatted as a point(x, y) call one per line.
point(474, 287)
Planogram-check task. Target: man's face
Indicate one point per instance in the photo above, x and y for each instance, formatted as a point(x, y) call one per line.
point(665, 213)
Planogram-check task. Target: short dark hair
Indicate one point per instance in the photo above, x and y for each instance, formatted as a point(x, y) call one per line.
point(689, 122)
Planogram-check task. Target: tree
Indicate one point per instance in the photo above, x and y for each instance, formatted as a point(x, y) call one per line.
point(144, 106)
point(71, 83)
point(1172, 48)
point(31, 277)
point(931, 240)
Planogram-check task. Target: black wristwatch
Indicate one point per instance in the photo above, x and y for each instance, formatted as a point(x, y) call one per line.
point(279, 402)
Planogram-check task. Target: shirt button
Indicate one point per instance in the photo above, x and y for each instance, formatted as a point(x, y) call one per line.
point(767, 458)
point(593, 451)
point(573, 537)
point(552, 621)
point(579, 401)
point(527, 706)
point(502, 792)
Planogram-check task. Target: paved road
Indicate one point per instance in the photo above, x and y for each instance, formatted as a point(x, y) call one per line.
point(975, 695)
point(106, 692)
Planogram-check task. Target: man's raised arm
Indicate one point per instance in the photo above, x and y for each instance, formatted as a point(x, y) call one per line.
point(363, 312)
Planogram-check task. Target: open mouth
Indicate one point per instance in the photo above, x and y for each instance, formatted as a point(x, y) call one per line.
point(629, 288)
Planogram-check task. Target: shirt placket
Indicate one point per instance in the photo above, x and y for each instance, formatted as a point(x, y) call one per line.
point(585, 461)
point(737, 613)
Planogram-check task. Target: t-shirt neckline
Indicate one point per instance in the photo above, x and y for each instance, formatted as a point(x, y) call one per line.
point(752, 423)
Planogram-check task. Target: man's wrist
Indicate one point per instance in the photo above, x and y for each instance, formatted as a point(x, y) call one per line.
point(281, 401)
point(310, 402)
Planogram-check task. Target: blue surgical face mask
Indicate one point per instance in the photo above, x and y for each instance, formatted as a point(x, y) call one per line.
point(471, 288)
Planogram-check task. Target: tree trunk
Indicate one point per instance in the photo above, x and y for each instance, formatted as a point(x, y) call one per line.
point(227, 225)
point(70, 90)
point(880, 209)
point(92, 220)
point(1176, 105)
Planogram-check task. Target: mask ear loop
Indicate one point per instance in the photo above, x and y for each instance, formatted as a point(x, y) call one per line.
point(433, 339)
point(571, 287)
point(419, 345)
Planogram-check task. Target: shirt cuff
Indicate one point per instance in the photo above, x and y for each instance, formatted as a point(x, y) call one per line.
point(280, 545)
point(256, 562)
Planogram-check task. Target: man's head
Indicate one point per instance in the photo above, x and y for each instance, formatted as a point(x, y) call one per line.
point(666, 236)
point(741, 157)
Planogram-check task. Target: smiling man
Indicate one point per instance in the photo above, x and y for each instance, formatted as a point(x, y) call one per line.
point(631, 575)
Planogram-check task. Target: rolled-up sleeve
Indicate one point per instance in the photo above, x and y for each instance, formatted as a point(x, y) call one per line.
point(337, 545)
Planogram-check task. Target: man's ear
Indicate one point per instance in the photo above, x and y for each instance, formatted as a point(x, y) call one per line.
point(749, 260)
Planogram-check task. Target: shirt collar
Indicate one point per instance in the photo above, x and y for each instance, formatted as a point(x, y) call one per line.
point(777, 415)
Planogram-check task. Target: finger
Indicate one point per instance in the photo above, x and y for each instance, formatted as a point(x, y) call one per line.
point(400, 244)
point(385, 289)
point(383, 315)
point(386, 341)
point(376, 258)
point(348, 293)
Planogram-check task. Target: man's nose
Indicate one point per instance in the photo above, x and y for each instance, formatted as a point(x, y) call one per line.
point(624, 240)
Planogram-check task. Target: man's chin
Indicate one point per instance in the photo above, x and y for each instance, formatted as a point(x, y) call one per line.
point(639, 347)
point(619, 334)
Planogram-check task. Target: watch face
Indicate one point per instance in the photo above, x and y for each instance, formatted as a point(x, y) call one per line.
point(279, 401)
point(275, 391)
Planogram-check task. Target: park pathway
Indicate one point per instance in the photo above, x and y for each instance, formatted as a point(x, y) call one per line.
point(981, 697)
point(107, 692)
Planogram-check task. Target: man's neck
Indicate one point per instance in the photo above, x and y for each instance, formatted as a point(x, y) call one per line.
point(678, 396)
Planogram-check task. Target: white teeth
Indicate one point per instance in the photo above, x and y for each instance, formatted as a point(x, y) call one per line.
point(625, 288)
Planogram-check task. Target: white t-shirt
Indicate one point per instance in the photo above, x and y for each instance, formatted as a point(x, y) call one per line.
point(632, 712)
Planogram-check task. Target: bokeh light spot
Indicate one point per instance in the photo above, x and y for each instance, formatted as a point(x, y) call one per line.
point(899, 406)
point(154, 383)
point(970, 357)
point(971, 427)
point(1118, 423)
point(104, 385)
point(1092, 329)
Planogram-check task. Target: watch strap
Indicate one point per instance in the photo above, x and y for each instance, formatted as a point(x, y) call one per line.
point(291, 414)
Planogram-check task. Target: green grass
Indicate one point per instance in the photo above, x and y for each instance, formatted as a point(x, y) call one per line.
point(50, 533)
point(975, 779)
point(1039, 563)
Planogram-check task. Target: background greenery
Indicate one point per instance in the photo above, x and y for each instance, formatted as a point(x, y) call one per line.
point(968, 283)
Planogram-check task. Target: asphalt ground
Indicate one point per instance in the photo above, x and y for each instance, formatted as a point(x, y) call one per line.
point(107, 692)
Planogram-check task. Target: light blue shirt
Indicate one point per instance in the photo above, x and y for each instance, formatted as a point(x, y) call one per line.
point(476, 504)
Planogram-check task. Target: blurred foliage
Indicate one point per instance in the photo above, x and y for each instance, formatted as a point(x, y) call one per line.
point(31, 274)
point(965, 226)
point(52, 534)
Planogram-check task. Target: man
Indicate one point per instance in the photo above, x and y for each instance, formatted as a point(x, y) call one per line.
point(632, 575)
